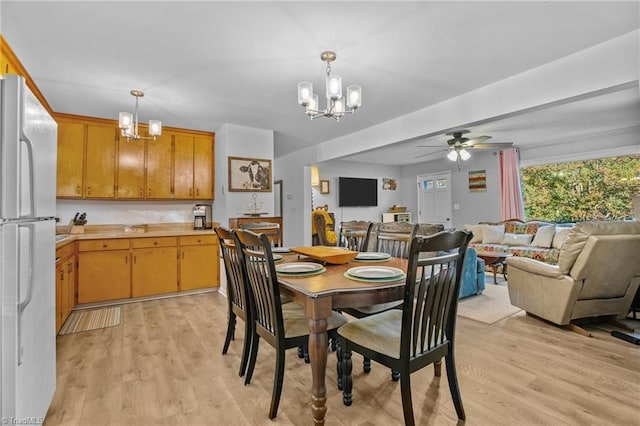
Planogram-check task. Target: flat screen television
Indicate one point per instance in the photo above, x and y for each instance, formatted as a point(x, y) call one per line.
point(357, 192)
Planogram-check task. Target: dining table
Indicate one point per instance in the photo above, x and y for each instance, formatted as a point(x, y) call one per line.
point(330, 289)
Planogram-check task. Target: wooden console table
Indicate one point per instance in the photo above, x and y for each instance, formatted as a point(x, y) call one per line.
point(236, 222)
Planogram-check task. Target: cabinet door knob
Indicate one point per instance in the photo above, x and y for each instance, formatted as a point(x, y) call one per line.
point(104, 246)
point(155, 243)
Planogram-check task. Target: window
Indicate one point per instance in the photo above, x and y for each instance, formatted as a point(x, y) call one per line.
point(596, 189)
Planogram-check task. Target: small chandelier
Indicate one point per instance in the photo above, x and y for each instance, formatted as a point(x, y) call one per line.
point(128, 123)
point(335, 101)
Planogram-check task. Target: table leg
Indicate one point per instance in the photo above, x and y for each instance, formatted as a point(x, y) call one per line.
point(494, 266)
point(318, 341)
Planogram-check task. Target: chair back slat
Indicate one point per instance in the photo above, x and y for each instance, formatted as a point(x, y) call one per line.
point(430, 303)
point(263, 285)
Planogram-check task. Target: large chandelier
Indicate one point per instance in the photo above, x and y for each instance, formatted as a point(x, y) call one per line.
point(128, 123)
point(335, 107)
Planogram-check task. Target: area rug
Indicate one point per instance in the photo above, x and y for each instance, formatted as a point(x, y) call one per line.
point(489, 307)
point(86, 320)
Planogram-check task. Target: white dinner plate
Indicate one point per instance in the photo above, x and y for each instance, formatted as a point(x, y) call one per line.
point(277, 257)
point(375, 272)
point(298, 267)
point(280, 250)
point(372, 255)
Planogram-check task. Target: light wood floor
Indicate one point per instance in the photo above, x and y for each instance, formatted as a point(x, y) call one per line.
point(163, 366)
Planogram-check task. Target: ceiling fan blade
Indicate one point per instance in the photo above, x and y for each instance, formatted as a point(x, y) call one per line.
point(492, 145)
point(430, 153)
point(476, 140)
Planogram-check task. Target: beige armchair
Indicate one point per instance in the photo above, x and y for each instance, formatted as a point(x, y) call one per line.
point(597, 275)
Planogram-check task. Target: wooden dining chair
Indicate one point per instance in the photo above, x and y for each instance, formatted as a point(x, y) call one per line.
point(393, 238)
point(272, 230)
point(282, 326)
point(237, 295)
point(423, 332)
point(354, 235)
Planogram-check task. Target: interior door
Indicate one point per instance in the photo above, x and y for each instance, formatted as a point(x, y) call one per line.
point(434, 199)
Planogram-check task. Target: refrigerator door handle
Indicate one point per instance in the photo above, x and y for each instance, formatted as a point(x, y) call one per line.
point(32, 181)
point(27, 299)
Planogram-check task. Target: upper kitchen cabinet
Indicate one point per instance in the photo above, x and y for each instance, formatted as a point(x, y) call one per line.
point(193, 171)
point(183, 170)
point(159, 179)
point(86, 158)
point(100, 162)
point(94, 161)
point(203, 168)
point(70, 159)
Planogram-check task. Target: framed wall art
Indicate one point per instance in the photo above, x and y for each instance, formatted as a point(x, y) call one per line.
point(249, 174)
point(478, 181)
point(324, 186)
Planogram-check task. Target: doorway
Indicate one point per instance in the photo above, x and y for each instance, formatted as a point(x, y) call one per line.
point(277, 195)
point(434, 199)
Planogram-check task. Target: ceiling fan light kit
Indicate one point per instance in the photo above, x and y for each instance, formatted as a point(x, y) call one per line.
point(458, 145)
point(128, 122)
point(336, 106)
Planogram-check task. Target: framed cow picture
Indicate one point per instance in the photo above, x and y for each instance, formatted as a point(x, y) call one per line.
point(249, 174)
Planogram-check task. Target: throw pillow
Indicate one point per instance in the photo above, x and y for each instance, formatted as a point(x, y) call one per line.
point(560, 237)
point(492, 234)
point(516, 239)
point(477, 233)
point(544, 236)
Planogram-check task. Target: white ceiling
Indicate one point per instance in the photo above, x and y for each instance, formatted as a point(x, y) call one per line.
point(202, 64)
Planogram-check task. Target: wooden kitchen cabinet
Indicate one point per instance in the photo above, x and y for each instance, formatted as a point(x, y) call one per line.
point(65, 283)
point(104, 270)
point(203, 168)
point(100, 162)
point(183, 166)
point(95, 162)
point(70, 159)
point(159, 179)
point(131, 155)
point(155, 268)
point(199, 262)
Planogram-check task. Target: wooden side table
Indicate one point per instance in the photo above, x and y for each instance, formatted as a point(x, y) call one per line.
point(494, 260)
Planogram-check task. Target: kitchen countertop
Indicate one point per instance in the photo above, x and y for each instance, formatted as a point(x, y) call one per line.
point(93, 232)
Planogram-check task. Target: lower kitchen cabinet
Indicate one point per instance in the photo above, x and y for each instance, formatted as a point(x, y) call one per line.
point(104, 270)
point(65, 283)
point(199, 262)
point(121, 268)
point(154, 269)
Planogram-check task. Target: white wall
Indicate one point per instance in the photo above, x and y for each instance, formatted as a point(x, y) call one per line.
point(331, 170)
point(239, 141)
point(126, 212)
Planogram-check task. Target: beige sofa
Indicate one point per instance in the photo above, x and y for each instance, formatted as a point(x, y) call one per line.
point(598, 274)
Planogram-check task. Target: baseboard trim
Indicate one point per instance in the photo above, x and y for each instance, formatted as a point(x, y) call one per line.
point(143, 298)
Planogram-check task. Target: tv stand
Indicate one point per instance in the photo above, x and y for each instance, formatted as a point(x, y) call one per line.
point(396, 217)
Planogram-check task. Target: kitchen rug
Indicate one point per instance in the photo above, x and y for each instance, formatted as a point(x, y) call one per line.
point(489, 307)
point(91, 319)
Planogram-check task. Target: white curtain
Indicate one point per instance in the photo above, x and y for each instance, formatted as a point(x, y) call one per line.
point(510, 188)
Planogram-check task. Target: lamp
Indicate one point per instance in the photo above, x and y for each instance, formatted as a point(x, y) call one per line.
point(128, 122)
point(315, 176)
point(336, 104)
point(458, 152)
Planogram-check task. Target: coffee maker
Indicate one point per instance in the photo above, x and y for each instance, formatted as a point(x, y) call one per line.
point(202, 216)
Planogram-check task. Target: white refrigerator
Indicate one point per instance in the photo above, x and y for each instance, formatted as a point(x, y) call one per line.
point(27, 254)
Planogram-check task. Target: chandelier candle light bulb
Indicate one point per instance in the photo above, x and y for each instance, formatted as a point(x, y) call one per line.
point(336, 106)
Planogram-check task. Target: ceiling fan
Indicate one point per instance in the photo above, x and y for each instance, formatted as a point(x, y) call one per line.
point(458, 145)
